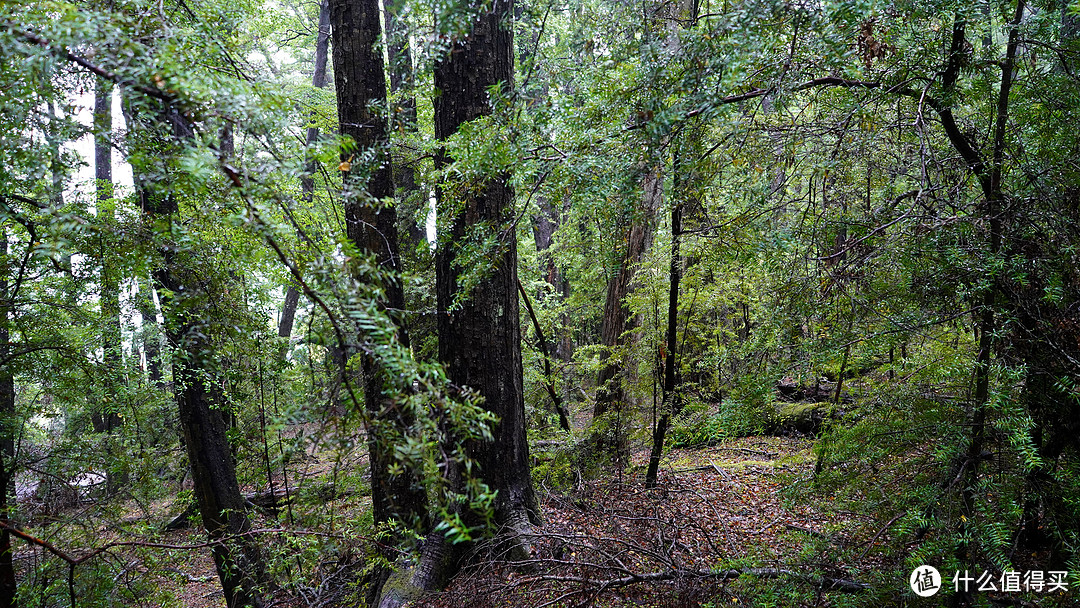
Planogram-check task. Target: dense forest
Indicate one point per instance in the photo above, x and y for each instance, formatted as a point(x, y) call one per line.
point(539, 303)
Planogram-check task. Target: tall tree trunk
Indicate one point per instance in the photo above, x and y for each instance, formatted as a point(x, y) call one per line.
point(671, 361)
point(480, 339)
point(372, 226)
point(403, 120)
point(106, 419)
point(617, 317)
point(683, 185)
point(237, 555)
point(151, 333)
point(8, 421)
point(990, 181)
point(307, 182)
point(479, 333)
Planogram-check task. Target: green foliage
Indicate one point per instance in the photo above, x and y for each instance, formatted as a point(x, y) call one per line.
point(832, 234)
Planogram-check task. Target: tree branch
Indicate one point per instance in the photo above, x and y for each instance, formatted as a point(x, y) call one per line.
point(101, 72)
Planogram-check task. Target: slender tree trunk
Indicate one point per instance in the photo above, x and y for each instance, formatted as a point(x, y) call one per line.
point(403, 120)
point(106, 419)
point(617, 317)
point(990, 180)
point(372, 226)
point(671, 362)
point(307, 182)
point(545, 225)
point(549, 377)
point(8, 421)
point(56, 168)
point(683, 186)
point(150, 333)
point(237, 555)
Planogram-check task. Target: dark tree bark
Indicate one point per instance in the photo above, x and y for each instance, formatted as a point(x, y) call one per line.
point(307, 182)
point(671, 361)
point(403, 120)
point(237, 555)
point(549, 376)
point(8, 420)
point(480, 340)
point(990, 180)
point(288, 311)
point(370, 224)
point(479, 335)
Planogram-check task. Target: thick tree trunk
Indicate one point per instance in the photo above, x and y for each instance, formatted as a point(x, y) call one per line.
point(480, 340)
point(237, 555)
point(372, 226)
point(8, 421)
point(479, 335)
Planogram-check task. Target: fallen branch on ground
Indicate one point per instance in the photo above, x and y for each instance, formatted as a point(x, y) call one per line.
point(824, 583)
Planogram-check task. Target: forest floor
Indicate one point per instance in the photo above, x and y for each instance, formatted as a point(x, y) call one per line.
point(718, 514)
point(718, 528)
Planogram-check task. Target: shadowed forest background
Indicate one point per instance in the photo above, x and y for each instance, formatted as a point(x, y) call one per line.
point(539, 302)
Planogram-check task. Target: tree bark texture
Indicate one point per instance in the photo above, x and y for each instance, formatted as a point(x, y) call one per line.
point(236, 556)
point(403, 120)
point(372, 225)
point(617, 317)
point(480, 339)
point(479, 336)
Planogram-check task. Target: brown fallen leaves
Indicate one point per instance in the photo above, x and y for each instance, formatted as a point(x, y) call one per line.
point(716, 515)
